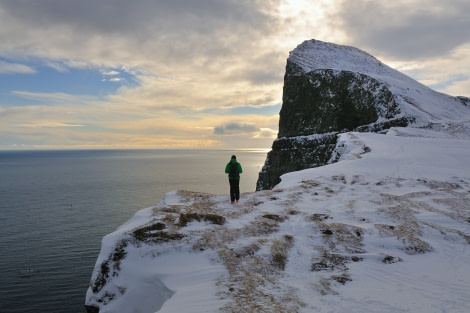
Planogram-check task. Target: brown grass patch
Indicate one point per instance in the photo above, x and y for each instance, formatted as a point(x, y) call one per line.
point(185, 218)
point(408, 234)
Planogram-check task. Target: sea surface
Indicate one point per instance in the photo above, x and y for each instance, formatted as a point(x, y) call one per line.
point(56, 206)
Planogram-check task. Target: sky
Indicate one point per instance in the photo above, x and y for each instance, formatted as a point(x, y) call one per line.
point(115, 74)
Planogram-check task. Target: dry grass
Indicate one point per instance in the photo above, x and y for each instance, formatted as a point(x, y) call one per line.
point(279, 251)
point(257, 256)
point(408, 234)
point(186, 218)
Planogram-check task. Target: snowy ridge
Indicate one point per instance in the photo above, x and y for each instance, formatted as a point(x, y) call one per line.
point(415, 99)
point(385, 229)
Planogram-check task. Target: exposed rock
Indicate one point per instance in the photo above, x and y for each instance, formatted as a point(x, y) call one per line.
point(330, 100)
point(294, 154)
point(92, 309)
point(331, 89)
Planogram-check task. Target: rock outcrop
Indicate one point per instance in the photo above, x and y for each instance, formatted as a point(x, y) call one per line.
point(331, 89)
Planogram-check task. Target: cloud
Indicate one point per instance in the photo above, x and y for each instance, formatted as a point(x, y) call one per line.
point(426, 39)
point(189, 55)
point(160, 34)
point(14, 68)
point(406, 29)
point(266, 133)
point(461, 87)
point(48, 124)
point(53, 98)
point(235, 128)
point(59, 67)
point(109, 72)
point(182, 66)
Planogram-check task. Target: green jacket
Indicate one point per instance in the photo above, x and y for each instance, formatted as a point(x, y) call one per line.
point(227, 169)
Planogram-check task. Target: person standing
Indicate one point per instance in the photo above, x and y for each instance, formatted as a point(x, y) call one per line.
point(234, 169)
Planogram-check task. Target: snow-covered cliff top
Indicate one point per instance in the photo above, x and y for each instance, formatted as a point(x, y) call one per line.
point(415, 99)
point(384, 230)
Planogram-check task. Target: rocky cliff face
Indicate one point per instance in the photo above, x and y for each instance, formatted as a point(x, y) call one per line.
point(330, 89)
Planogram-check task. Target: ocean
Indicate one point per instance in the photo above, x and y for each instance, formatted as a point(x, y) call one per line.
point(56, 206)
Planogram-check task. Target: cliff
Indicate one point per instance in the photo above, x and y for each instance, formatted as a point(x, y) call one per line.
point(384, 227)
point(331, 89)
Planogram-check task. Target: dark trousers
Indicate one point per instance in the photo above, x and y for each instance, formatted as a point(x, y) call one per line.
point(234, 189)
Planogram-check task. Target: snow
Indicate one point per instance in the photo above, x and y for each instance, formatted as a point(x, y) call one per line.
point(385, 229)
point(314, 55)
point(410, 181)
point(200, 295)
point(437, 281)
point(405, 157)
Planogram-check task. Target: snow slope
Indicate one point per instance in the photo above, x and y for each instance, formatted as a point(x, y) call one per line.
point(386, 229)
point(314, 55)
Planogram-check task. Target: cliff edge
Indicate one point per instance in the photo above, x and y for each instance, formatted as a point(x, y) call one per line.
point(331, 89)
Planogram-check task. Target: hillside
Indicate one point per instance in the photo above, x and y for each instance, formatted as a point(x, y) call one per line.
point(386, 229)
point(330, 89)
point(382, 226)
point(419, 103)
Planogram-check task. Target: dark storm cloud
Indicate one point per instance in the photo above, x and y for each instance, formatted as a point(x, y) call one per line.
point(406, 30)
